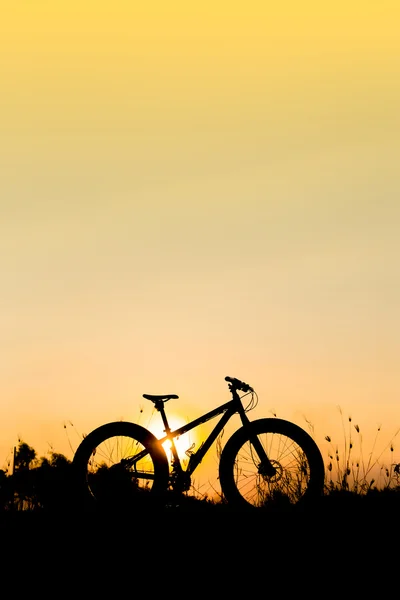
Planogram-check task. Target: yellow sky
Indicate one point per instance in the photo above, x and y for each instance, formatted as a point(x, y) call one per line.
point(194, 190)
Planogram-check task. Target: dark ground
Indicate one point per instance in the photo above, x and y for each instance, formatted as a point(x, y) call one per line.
point(342, 547)
point(333, 515)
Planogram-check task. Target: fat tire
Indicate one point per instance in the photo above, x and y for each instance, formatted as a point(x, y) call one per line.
point(83, 496)
point(298, 435)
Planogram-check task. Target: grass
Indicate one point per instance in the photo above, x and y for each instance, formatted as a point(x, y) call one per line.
point(349, 470)
point(354, 479)
point(354, 525)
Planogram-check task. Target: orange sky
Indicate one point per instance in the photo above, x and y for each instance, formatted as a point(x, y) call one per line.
point(193, 191)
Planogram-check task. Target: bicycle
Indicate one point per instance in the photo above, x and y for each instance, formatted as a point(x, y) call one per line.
point(264, 462)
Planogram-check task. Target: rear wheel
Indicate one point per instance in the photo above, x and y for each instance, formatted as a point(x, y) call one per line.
point(108, 475)
point(299, 472)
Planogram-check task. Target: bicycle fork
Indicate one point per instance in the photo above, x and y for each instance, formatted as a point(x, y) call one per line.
point(265, 467)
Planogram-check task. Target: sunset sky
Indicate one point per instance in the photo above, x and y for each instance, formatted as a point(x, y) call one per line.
point(191, 190)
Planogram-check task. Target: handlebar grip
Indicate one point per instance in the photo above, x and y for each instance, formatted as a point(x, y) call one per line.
point(240, 385)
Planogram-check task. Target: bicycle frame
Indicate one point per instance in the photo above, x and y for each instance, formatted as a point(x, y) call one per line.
point(227, 410)
point(230, 408)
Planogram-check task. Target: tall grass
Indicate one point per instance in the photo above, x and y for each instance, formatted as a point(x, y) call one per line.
point(351, 469)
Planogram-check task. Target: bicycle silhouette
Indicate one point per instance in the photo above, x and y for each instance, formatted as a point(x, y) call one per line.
point(265, 461)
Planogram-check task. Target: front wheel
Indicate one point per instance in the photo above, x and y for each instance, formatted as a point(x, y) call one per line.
point(120, 465)
point(298, 468)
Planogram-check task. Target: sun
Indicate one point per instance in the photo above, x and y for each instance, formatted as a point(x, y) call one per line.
point(183, 443)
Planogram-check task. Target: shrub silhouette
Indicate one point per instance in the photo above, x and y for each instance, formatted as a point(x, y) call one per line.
point(35, 483)
point(46, 483)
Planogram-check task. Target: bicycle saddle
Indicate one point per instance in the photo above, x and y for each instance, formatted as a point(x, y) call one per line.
point(162, 398)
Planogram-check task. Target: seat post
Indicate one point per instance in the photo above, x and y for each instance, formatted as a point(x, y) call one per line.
point(159, 405)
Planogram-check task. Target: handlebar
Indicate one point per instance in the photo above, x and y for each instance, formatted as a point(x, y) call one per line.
point(236, 384)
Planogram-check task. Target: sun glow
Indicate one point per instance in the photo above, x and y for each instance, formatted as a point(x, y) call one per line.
point(183, 443)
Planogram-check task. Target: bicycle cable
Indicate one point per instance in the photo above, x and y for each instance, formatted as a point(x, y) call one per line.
point(253, 400)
